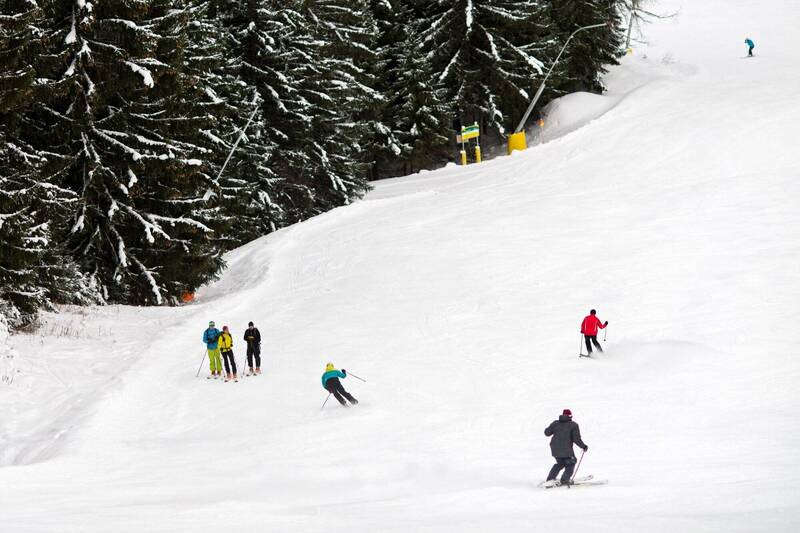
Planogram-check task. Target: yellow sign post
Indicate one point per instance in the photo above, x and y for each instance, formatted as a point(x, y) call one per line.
point(467, 133)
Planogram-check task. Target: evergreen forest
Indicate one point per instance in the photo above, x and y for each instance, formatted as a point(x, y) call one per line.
point(142, 139)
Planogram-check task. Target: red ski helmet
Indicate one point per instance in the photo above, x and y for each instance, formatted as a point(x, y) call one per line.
point(567, 412)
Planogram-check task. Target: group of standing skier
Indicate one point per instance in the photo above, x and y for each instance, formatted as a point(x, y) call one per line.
point(219, 345)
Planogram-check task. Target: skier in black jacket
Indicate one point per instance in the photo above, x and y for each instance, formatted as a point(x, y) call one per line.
point(253, 338)
point(564, 433)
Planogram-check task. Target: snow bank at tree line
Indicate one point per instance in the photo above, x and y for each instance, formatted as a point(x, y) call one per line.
point(457, 294)
point(7, 368)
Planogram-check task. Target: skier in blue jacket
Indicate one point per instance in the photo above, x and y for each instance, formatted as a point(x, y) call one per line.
point(331, 383)
point(750, 45)
point(211, 340)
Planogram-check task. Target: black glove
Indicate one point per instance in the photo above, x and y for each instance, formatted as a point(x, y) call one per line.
point(585, 448)
point(344, 371)
point(606, 323)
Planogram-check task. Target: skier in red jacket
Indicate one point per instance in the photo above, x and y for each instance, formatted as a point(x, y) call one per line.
point(589, 330)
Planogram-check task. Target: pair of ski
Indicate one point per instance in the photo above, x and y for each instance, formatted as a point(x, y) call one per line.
point(224, 380)
point(577, 482)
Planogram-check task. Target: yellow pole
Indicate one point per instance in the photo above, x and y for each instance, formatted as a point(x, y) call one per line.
point(477, 153)
point(463, 157)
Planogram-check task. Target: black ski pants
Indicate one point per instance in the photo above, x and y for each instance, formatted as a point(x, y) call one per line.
point(334, 386)
point(226, 357)
point(567, 463)
point(253, 351)
point(591, 339)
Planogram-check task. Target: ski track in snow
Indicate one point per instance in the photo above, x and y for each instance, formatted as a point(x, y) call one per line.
point(669, 204)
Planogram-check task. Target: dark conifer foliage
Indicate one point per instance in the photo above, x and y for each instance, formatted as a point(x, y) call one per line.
point(421, 118)
point(393, 28)
point(122, 130)
point(255, 69)
point(591, 51)
point(483, 52)
point(305, 151)
point(20, 293)
point(331, 50)
point(35, 272)
point(127, 163)
point(414, 120)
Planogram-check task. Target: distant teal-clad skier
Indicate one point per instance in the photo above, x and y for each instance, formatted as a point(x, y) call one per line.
point(750, 45)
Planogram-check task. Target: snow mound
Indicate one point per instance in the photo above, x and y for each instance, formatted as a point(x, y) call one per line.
point(568, 113)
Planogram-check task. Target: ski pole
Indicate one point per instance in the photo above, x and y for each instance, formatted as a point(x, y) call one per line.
point(580, 345)
point(203, 360)
point(353, 375)
point(241, 370)
point(577, 467)
point(326, 401)
point(605, 332)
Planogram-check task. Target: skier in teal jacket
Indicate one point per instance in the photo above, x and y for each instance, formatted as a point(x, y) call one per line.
point(331, 383)
point(750, 45)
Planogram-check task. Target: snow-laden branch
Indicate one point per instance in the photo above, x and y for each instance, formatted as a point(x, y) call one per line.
point(147, 77)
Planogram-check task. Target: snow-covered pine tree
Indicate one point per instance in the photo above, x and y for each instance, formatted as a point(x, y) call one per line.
point(422, 120)
point(21, 39)
point(392, 24)
point(22, 239)
point(35, 271)
point(483, 52)
point(117, 122)
point(299, 157)
point(590, 51)
point(414, 122)
point(329, 52)
point(250, 77)
point(20, 294)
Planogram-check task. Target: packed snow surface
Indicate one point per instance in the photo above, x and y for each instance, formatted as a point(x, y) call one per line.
point(671, 207)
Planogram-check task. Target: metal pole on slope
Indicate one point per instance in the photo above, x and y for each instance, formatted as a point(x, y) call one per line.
point(521, 124)
point(631, 17)
point(605, 332)
point(233, 149)
point(580, 346)
point(249, 121)
point(326, 401)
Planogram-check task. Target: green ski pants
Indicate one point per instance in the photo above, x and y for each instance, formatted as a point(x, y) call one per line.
point(214, 360)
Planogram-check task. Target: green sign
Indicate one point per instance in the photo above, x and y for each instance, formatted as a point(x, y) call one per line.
point(470, 132)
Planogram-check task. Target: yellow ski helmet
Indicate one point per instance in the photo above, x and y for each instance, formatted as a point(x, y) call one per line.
point(329, 367)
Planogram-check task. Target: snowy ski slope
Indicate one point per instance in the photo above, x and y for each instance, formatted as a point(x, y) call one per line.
point(670, 204)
